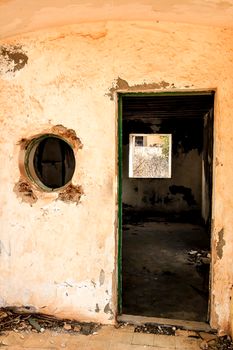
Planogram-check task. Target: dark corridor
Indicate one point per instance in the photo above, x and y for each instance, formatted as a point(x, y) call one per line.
point(166, 217)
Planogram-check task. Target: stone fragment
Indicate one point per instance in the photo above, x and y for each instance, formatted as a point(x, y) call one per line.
point(208, 336)
point(204, 345)
point(67, 327)
point(77, 328)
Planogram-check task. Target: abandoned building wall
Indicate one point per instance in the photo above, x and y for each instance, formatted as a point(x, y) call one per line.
point(60, 256)
point(181, 192)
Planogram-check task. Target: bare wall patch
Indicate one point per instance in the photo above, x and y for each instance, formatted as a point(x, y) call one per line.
point(220, 244)
point(122, 84)
point(12, 58)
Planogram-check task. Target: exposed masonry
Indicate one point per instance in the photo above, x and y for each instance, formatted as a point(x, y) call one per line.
point(28, 191)
point(68, 134)
point(71, 194)
point(24, 190)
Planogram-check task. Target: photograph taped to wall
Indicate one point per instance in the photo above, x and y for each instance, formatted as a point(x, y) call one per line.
point(150, 155)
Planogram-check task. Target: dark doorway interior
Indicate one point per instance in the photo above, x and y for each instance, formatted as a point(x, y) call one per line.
point(166, 221)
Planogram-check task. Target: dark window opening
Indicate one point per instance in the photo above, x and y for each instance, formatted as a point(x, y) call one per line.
point(51, 162)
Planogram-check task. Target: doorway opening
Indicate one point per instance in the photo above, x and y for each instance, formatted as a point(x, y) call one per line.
point(165, 199)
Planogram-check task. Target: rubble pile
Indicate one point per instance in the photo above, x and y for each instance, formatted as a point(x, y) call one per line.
point(221, 343)
point(155, 329)
point(199, 257)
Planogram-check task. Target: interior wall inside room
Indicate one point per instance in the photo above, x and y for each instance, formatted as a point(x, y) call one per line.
point(183, 191)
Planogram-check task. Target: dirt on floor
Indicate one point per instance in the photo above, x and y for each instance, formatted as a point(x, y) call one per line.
point(23, 320)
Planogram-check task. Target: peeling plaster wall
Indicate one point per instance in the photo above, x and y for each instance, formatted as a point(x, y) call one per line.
point(61, 257)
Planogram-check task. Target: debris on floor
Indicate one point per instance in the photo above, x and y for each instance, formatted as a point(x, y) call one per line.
point(210, 341)
point(155, 329)
point(17, 320)
point(201, 260)
point(221, 343)
point(199, 257)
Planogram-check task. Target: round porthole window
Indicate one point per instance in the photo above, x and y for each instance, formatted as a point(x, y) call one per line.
point(50, 162)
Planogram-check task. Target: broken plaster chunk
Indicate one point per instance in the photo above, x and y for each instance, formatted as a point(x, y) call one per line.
point(77, 328)
point(67, 327)
point(3, 343)
point(207, 336)
point(193, 252)
point(3, 314)
point(204, 345)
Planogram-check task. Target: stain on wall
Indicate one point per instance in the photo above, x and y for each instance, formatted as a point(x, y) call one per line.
point(220, 244)
point(186, 193)
point(108, 310)
point(5, 248)
point(97, 309)
point(101, 277)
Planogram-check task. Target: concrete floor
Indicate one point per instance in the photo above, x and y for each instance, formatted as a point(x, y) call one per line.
point(158, 278)
point(107, 338)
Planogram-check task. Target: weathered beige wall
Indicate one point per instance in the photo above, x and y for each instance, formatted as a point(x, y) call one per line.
point(62, 255)
point(22, 16)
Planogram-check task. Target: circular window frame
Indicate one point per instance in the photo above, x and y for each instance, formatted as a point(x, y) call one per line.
point(29, 162)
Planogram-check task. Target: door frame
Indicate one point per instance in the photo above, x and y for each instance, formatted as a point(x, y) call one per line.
point(119, 116)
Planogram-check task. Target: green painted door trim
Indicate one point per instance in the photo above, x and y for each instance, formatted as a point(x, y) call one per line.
point(119, 294)
point(168, 93)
